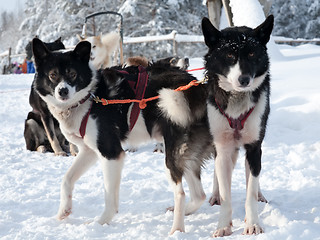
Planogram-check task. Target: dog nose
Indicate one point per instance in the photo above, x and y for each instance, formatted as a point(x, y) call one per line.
point(63, 92)
point(244, 80)
point(186, 60)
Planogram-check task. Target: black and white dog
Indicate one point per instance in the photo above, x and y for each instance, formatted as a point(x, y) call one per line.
point(237, 68)
point(66, 83)
point(41, 131)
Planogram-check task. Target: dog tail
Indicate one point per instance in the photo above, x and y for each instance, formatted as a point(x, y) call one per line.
point(175, 107)
point(111, 41)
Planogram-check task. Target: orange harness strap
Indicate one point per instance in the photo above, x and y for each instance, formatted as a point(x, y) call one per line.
point(143, 102)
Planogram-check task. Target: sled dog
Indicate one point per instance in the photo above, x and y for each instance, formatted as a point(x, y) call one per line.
point(182, 63)
point(237, 68)
point(102, 49)
point(69, 87)
point(41, 131)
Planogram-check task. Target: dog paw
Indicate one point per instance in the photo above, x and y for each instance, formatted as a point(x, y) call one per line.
point(159, 148)
point(62, 153)
point(221, 232)
point(156, 150)
point(251, 229)
point(132, 149)
point(214, 200)
point(261, 198)
point(62, 214)
point(41, 149)
point(107, 216)
point(170, 209)
point(173, 230)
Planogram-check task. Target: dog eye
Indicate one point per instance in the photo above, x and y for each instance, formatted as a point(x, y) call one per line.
point(173, 61)
point(93, 46)
point(73, 75)
point(53, 76)
point(230, 56)
point(251, 54)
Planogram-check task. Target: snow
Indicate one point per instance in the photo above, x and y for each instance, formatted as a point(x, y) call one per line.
point(247, 13)
point(290, 177)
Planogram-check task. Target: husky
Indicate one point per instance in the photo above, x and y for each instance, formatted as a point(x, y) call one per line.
point(136, 61)
point(68, 85)
point(182, 63)
point(41, 131)
point(102, 49)
point(174, 61)
point(237, 69)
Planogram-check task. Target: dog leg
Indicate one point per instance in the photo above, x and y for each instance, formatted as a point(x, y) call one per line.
point(224, 166)
point(52, 137)
point(179, 208)
point(261, 198)
point(112, 176)
point(73, 149)
point(253, 156)
point(197, 195)
point(215, 197)
point(82, 162)
point(251, 219)
point(179, 204)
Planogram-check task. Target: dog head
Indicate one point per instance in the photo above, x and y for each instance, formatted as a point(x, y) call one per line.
point(63, 78)
point(182, 63)
point(55, 45)
point(102, 48)
point(52, 46)
point(238, 55)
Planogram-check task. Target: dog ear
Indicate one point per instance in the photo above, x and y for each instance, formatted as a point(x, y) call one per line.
point(82, 51)
point(210, 33)
point(80, 37)
point(263, 31)
point(40, 51)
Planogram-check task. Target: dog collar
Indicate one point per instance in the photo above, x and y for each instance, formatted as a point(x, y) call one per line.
point(238, 123)
point(82, 101)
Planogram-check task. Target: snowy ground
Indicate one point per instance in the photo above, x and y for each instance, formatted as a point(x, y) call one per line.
point(290, 177)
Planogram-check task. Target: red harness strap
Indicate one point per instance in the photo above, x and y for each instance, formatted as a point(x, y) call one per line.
point(83, 126)
point(238, 123)
point(139, 91)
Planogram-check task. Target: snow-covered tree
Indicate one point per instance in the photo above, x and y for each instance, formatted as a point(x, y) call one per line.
point(296, 18)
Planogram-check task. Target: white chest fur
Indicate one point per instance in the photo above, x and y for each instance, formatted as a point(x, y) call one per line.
point(224, 134)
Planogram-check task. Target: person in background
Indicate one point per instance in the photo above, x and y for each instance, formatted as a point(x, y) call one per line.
point(30, 65)
point(24, 66)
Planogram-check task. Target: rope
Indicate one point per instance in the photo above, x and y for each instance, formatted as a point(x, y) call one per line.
point(195, 69)
point(143, 102)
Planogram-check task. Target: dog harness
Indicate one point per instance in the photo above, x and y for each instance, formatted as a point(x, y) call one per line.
point(238, 123)
point(83, 125)
point(139, 88)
